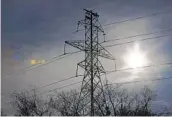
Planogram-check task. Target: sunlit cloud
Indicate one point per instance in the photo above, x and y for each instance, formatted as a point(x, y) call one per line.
point(135, 57)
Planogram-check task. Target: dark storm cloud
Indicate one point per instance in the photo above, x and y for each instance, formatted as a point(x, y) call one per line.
point(38, 15)
point(37, 20)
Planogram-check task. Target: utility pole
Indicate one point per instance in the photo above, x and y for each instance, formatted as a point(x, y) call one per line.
point(92, 88)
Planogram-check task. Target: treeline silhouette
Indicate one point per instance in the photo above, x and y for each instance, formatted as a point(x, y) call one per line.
point(119, 102)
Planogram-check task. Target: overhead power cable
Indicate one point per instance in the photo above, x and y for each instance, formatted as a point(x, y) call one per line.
point(150, 15)
point(162, 78)
point(123, 83)
point(132, 19)
point(144, 34)
point(55, 82)
point(60, 87)
point(56, 58)
point(144, 39)
point(35, 66)
point(50, 84)
point(141, 17)
point(108, 72)
point(152, 80)
point(148, 66)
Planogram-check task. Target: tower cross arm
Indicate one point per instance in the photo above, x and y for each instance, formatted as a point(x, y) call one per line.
point(79, 44)
point(104, 53)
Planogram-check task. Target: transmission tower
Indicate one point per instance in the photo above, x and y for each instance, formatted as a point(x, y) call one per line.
point(92, 87)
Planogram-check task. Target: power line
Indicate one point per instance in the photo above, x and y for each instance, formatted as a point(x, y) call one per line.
point(28, 68)
point(132, 19)
point(60, 58)
point(108, 72)
point(167, 30)
point(153, 80)
point(136, 40)
point(141, 17)
point(56, 82)
point(56, 58)
point(154, 14)
point(111, 40)
point(50, 84)
point(60, 87)
point(162, 78)
point(148, 66)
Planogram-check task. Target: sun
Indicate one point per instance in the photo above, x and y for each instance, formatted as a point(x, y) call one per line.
point(135, 57)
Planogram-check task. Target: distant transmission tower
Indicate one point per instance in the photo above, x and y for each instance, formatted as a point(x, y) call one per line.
point(92, 87)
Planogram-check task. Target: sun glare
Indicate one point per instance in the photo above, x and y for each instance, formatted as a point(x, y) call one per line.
point(135, 57)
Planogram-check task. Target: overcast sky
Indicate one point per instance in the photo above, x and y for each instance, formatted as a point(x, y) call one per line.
point(40, 27)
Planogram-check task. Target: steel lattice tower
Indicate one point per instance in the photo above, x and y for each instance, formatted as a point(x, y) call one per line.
point(92, 87)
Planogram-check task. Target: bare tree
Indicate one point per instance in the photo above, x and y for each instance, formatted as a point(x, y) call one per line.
point(29, 105)
point(123, 103)
point(65, 103)
point(119, 102)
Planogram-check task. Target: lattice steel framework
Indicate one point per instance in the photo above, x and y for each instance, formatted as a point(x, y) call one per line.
point(92, 87)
